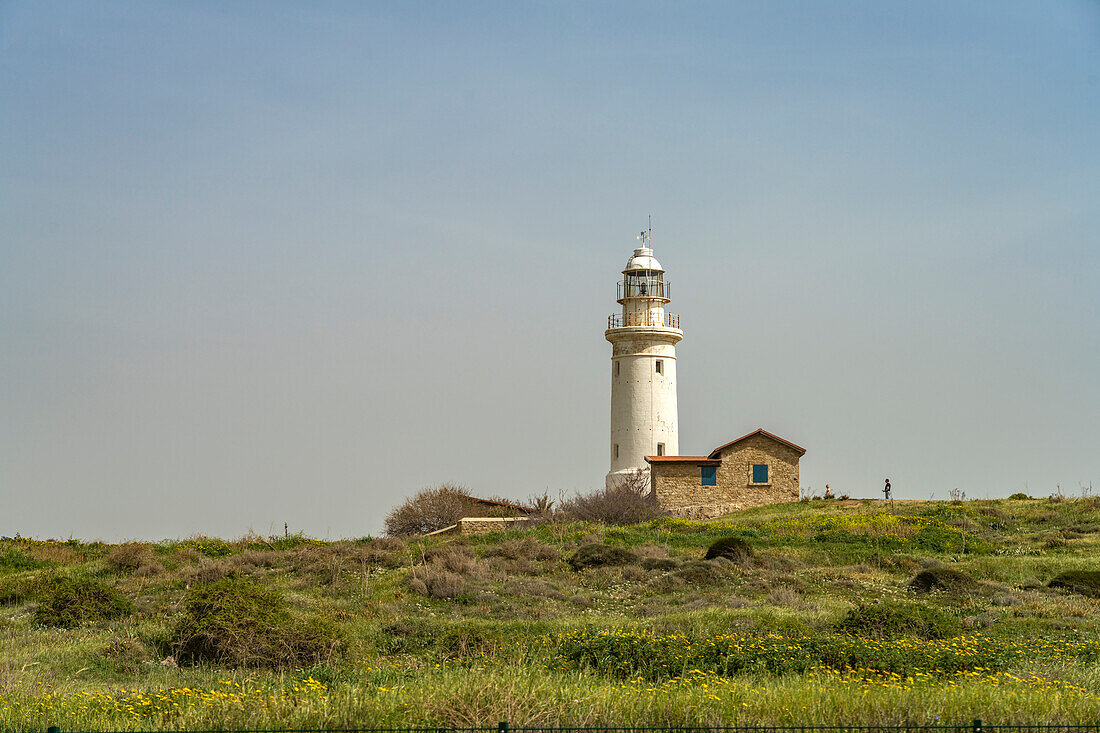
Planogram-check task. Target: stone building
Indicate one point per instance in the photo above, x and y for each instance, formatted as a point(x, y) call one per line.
point(758, 468)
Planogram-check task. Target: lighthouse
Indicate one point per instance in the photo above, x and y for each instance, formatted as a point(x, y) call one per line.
point(643, 340)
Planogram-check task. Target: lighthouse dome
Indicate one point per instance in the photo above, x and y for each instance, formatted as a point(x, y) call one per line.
point(643, 259)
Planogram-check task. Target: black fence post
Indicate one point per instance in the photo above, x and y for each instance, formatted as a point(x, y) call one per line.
point(977, 726)
point(502, 726)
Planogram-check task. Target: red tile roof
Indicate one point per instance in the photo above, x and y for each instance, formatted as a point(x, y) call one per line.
point(506, 505)
point(682, 459)
point(759, 431)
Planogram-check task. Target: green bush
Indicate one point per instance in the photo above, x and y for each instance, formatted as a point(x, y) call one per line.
point(701, 572)
point(13, 560)
point(1085, 582)
point(942, 578)
point(596, 555)
point(660, 563)
point(237, 623)
point(1019, 496)
point(731, 548)
point(70, 602)
point(890, 619)
point(948, 539)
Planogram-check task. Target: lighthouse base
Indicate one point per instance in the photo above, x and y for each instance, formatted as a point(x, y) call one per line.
point(635, 478)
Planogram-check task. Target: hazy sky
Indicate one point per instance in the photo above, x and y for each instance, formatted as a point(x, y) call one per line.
point(267, 262)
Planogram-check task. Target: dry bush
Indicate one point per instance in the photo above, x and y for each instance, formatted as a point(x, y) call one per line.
point(527, 548)
point(128, 653)
point(634, 573)
point(628, 502)
point(386, 552)
point(784, 595)
point(186, 556)
point(148, 569)
point(436, 582)
point(1056, 542)
point(251, 560)
point(437, 508)
point(54, 553)
point(454, 558)
point(649, 550)
point(210, 571)
point(527, 588)
point(128, 557)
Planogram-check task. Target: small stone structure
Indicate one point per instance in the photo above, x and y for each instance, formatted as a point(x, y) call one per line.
point(758, 468)
point(482, 525)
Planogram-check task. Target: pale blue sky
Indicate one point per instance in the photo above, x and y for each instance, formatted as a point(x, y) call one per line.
point(267, 262)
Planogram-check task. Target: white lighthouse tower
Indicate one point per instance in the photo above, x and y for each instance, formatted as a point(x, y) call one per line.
point(643, 367)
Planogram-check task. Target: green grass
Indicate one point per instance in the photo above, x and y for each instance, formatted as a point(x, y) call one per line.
point(816, 626)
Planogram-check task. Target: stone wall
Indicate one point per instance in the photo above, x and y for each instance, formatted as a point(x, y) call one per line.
point(679, 488)
point(481, 525)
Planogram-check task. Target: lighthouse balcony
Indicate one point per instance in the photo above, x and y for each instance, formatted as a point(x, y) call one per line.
point(643, 320)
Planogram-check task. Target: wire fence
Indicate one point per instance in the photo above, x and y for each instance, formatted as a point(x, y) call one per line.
point(977, 726)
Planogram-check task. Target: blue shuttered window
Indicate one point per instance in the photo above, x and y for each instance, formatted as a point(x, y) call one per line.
point(708, 475)
point(760, 473)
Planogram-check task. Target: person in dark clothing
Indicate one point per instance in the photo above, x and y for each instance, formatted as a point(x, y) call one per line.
point(886, 490)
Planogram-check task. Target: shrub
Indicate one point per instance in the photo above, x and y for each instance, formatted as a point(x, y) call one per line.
point(701, 572)
point(436, 508)
point(454, 558)
point(890, 619)
point(210, 571)
point(944, 539)
point(942, 578)
point(386, 552)
point(128, 557)
point(435, 581)
point(596, 555)
point(17, 560)
point(629, 501)
point(209, 546)
point(660, 563)
point(731, 548)
point(237, 623)
point(527, 548)
point(70, 602)
point(128, 653)
point(1084, 582)
point(1019, 496)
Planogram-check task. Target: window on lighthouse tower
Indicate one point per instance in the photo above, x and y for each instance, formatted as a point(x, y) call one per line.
point(660, 367)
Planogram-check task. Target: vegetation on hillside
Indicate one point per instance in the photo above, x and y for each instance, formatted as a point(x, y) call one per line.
point(815, 612)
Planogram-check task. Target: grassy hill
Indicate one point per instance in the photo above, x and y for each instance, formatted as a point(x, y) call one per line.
point(825, 612)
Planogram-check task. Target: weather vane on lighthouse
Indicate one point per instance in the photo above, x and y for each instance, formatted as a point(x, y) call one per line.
point(647, 236)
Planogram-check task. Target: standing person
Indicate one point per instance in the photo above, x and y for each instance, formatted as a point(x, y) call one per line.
point(886, 491)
